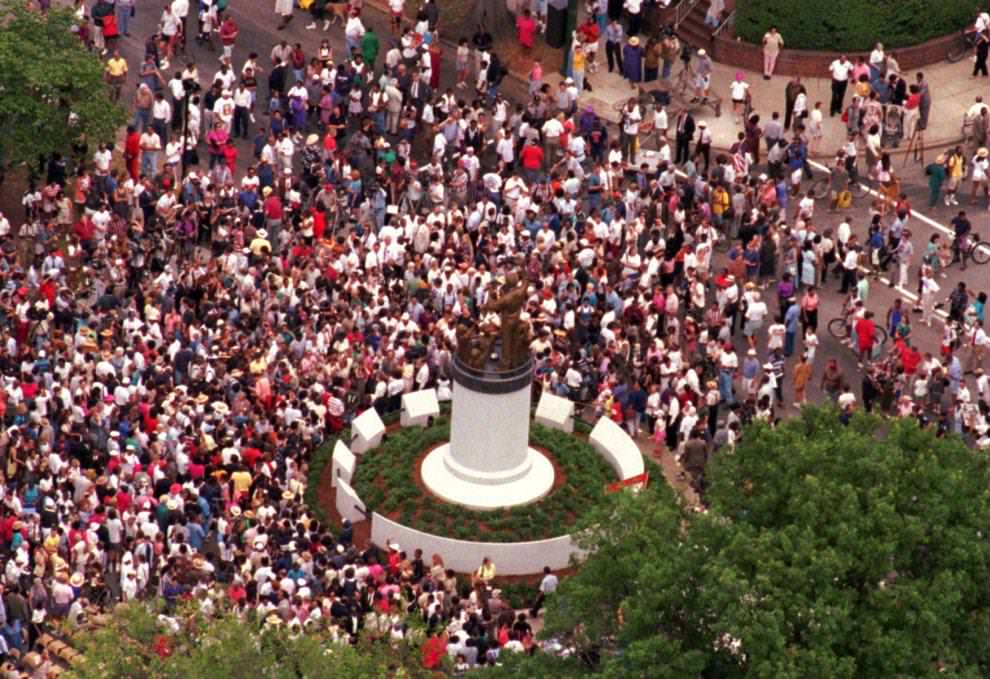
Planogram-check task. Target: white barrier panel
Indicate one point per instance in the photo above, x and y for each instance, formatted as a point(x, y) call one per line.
point(510, 558)
point(342, 463)
point(348, 503)
point(367, 430)
point(617, 447)
point(555, 412)
point(418, 407)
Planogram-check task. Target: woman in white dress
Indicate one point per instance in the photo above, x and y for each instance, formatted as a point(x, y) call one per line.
point(815, 130)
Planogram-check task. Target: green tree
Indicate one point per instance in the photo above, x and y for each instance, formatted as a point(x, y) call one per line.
point(829, 551)
point(52, 90)
point(132, 644)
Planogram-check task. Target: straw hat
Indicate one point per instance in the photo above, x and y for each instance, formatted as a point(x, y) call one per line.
point(77, 580)
point(983, 152)
point(634, 41)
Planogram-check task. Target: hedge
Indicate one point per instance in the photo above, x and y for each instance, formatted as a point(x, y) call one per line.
point(384, 481)
point(853, 25)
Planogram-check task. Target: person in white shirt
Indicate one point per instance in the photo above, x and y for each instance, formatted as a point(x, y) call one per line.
point(353, 32)
point(631, 117)
point(738, 89)
point(756, 311)
point(634, 10)
point(840, 69)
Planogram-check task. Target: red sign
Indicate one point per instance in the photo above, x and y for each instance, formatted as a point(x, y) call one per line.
point(640, 480)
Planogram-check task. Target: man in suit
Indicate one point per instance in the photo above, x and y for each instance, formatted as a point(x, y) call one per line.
point(419, 91)
point(684, 127)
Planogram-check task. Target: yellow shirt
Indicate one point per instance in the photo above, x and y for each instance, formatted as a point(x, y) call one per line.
point(117, 67)
point(242, 481)
point(955, 166)
point(486, 572)
point(260, 245)
point(577, 61)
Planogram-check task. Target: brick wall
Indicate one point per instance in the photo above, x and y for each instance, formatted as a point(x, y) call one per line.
point(808, 63)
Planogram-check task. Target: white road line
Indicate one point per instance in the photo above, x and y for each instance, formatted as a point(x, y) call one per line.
point(911, 296)
point(914, 213)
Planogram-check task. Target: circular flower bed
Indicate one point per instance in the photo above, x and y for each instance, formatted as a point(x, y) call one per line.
point(387, 481)
point(853, 25)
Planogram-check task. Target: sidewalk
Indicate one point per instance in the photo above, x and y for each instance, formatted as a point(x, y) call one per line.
point(952, 90)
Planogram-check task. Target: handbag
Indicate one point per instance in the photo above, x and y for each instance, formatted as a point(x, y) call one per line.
point(844, 200)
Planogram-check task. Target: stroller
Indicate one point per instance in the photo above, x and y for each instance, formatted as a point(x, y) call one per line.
point(893, 127)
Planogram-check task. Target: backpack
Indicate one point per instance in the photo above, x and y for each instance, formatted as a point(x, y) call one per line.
point(844, 200)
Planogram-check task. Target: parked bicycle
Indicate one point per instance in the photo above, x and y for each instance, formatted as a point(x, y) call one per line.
point(961, 47)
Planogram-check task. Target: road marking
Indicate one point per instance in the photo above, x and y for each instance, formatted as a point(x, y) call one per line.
point(914, 213)
point(913, 297)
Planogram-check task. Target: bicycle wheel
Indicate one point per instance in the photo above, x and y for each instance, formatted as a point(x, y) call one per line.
point(837, 328)
point(956, 52)
point(820, 188)
point(981, 252)
point(881, 336)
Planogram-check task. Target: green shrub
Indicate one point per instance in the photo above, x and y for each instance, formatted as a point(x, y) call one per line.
point(391, 465)
point(853, 25)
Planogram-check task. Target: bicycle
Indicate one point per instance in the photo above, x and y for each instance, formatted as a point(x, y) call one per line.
point(839, 329)
point(857, 186)
point(960, 48)
point(977, 250)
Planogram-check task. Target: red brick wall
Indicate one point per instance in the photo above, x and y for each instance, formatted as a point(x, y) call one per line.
point(808, 63)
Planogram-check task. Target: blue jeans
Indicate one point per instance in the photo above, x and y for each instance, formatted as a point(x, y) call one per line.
point(142, 118)
point(123, 19)
point(149, 163)
point(725, 387)
point(789, 338)
point(378, 117)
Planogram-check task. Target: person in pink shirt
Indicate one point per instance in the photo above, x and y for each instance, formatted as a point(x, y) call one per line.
point(535, 77)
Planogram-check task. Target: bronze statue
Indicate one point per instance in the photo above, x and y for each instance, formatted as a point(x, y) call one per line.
point(514, 330)
point(473, 346)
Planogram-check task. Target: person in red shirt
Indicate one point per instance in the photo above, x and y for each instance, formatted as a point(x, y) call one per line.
point(526, 29)
point(866, 332)
point(84, 230)
point(434, 651)
point(132, 151)
point(230, 155)
point(272, 206)
point(228, 35)
point(319, 222)
point(531, 158)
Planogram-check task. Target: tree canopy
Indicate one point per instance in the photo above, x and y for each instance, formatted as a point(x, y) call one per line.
point(140, 641)
point(51, 87)
point(829, 551)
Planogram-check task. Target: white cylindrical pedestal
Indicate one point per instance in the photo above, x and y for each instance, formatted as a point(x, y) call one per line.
point(488, 462)
point(489, 435)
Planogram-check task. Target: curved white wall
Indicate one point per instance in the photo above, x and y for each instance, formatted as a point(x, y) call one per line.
point(510, 558)
point(617, 447)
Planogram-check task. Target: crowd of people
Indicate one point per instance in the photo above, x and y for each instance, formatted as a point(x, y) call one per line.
point(187, 322)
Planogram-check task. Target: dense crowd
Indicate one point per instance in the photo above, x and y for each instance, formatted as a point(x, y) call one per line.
point(185, 323)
